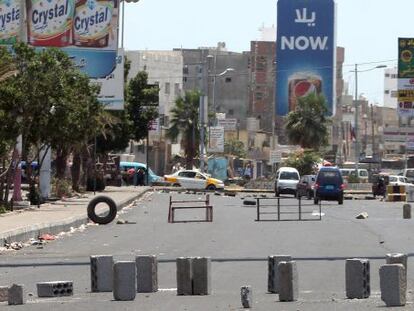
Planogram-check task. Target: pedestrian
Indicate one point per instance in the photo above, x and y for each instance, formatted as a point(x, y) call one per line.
point(140, 177)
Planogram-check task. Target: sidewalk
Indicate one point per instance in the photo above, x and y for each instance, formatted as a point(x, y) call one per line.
point(55, 217)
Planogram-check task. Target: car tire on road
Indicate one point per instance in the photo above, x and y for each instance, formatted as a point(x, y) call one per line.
point(341, 200)
point(211, 187)
point(106, 219)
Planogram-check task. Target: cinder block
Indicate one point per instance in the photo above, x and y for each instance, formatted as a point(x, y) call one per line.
point(184, 276)
point(246, 296)
point(288, 281)
point(396, 258)
point(273, 274)
point(125, 280)
point(147, 274)
point(407, 211)
point(201, 276)
point(102, 273)
point(393, 283)
point(4, 293)
point(357, 278)
point(55, 289)
point(16, 295)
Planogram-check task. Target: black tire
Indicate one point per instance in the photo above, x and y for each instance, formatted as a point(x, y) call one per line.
point(176, 185)
point(102, 220)
point(341, 200)
point(211, 187)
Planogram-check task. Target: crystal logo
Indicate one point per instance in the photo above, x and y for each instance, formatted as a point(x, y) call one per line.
point(303, 43)
point(82, 24)
point(9, 17)
point(41, 17)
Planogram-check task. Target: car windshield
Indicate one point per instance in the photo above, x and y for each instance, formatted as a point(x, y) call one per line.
point(409, 173)
point(330, 176)
point(289, 175)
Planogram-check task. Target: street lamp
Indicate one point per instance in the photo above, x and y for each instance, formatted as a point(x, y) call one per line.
point(356, 112)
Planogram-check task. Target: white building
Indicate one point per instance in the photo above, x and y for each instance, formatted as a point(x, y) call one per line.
point(390, 87)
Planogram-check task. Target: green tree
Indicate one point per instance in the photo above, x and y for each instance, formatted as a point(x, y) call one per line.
point(184, 122)
point(235, 147)
point(304, 161)
point(141, 104)
point(307, 125)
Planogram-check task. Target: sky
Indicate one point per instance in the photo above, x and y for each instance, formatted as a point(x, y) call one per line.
point(367, 29)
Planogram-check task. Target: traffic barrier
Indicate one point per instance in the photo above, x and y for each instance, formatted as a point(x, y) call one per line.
point(125, 280)
point(101, 273)
point(273, 274)
point(15, 295)
point(4, 293)
point(184, 276)
point(193, 275)
point(147, 274)
point(396, 193)
point(190, 204)
point(288, 281)
point(397, 258)
point(55, 289)
point(410, 194)
point(393, 284)
point(357, 276)
point(246, 296)
point(407, 211)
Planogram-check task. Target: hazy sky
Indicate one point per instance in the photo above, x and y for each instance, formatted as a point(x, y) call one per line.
point(368, 29)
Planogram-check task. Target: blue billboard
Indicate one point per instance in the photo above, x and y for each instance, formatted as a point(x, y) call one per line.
point(305, 54)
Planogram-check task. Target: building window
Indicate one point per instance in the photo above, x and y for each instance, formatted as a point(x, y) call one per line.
point(387, 75)
point(231, 112)
point(185, 70)
point(176, 88)
point(259, 96)
point(228, 79)
point(387, 92)
point(185, 79)
point(394, 76)
point(167, 87)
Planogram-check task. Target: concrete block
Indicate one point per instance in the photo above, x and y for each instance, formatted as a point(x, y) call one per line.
point(246, 296)
point(55, 289)
point(4, 293)
point(16, 295)
point(395, 258)
point(184, 276)
point(393, 283)
point(357, 278)
point(201, 276)
point(407, 211)
point(147, 274)
point(125, 280)
point(288, 281)
point(101, 273)
point(273, 274)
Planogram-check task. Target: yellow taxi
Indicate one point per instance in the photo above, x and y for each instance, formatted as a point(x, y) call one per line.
point(193, 179)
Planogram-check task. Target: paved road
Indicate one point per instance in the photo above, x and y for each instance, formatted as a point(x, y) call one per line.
point(239, 247)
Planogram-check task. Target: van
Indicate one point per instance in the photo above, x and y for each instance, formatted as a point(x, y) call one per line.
point(329, 185)
point(409, 174)
point(363, 175)
point(152, 177)
point(286, 181)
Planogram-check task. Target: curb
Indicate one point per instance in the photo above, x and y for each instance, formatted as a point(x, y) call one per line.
point(34, 231)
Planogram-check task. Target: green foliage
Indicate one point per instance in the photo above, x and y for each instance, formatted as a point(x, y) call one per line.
point(184, 122)
point(307, 125)
point(353, 179)
point(61, 188)
point(304, 161)
point(142, 104)
point(235, 147)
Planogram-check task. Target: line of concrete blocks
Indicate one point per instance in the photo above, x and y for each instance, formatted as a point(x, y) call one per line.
point(124, 278)
point(14, 295)
point(282, 277)
point(193, 275)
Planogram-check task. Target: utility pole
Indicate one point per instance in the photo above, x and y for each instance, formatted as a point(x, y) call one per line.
point(356, 121)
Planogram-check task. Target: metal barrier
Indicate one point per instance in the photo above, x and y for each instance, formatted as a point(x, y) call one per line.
point(194, 204)
point(300, 212)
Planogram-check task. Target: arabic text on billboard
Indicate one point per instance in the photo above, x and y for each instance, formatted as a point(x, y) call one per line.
point(405, 77)
point(305, 52)
point(85, 29)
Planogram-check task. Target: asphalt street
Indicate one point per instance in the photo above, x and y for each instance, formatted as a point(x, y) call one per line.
point(238, 245)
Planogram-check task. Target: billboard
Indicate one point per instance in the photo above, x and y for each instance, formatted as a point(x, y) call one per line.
point(87, 30)
point(405, 77)
point(305, 54)
point(216, 139)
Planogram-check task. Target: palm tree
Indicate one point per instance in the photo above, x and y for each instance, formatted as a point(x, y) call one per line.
point(307, 125)
point(184, 121)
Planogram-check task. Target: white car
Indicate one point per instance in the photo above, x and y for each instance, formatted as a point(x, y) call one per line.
point(193, 179)
point(396, 180)
point(286, 181)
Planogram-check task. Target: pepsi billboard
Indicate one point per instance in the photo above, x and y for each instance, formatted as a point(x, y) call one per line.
point(305, 54)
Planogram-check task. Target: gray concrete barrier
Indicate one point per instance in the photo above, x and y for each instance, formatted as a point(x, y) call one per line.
point(357, 278)
point(407, 211)
point(273, 274)
point(393, 283)
point(101, 273)
point(246, 296)
point(4, 293)
point(396, 258)
point(16, 295)
point(55, 289)
point(125, 280)
point(147, 274)
point(288, 281)
point(201, 276)
point(184, 276)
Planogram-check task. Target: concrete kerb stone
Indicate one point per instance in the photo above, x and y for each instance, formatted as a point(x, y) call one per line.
point(357, 278)
point(16, 295)
point(246, 296)
point(393, 284)
point(4, 293)
point(288, 281)
point(273, 273)
point(101, 273)
point(55, 289)
point(397, 258)
point(34, 231)
point(147, 274)
point(125, 280)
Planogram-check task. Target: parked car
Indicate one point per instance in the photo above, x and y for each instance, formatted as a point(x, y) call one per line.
point(152, 177)
point(329, 185)
point(193, 179)
point(396, 180)
point(286, 180)
point(409, 174)
point(363, 175)
point(305, 186)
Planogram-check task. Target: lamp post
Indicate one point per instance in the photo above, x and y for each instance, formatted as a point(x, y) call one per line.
point(357, 112)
